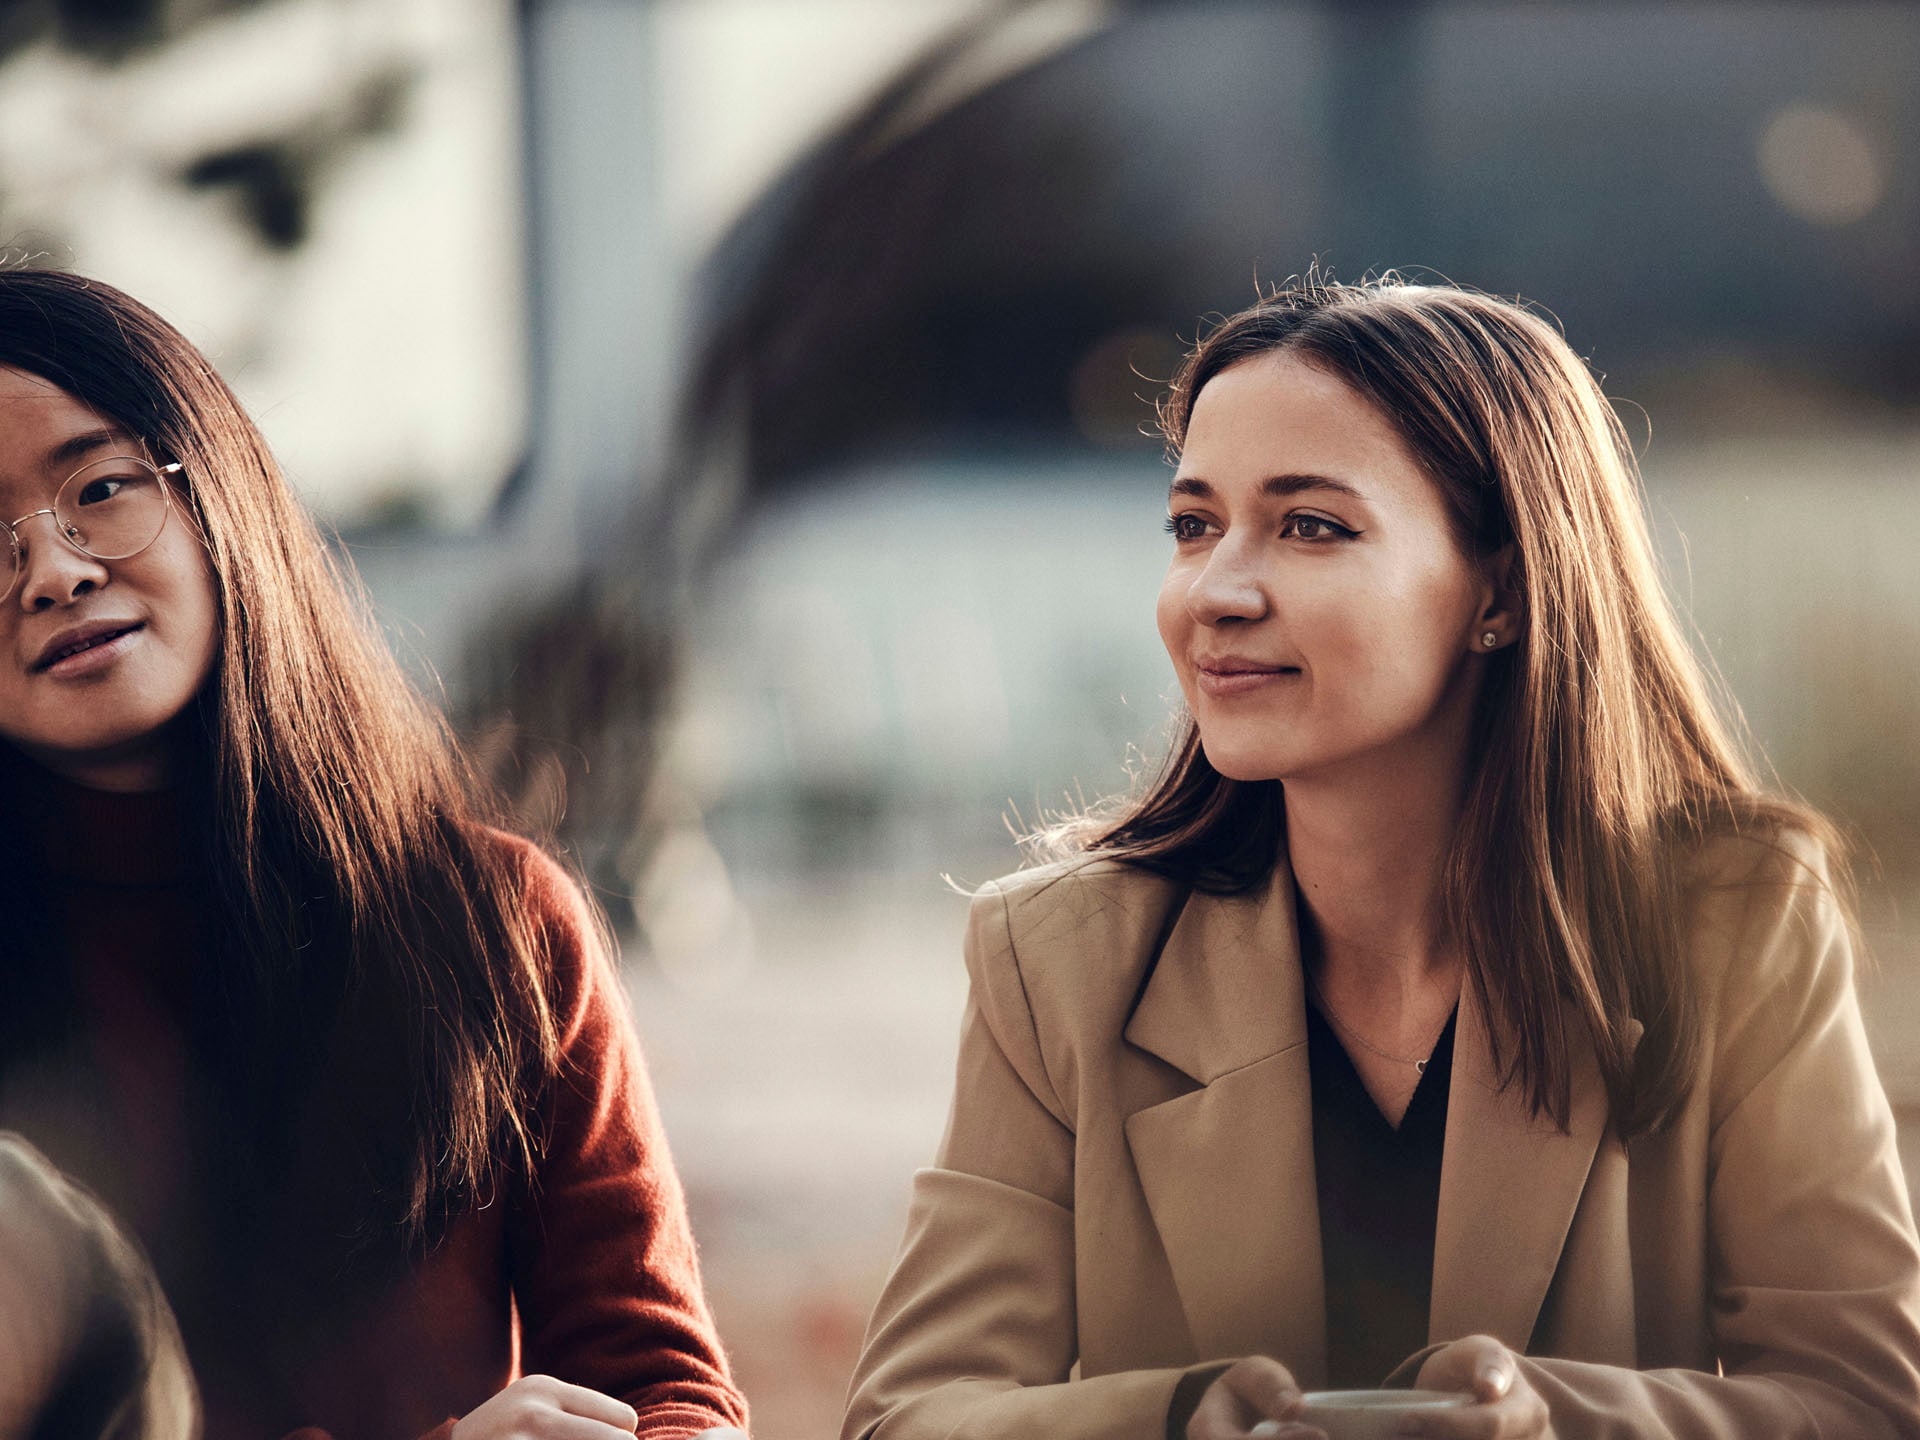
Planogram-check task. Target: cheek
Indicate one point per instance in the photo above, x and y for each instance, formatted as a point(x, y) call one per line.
point(1411, 639)
point(207, 627)
point(195, 604)
point(1380, 627)
point(1170, 612)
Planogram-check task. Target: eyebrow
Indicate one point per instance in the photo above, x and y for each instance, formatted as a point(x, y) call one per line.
point(1274, 487)
point(84, 443)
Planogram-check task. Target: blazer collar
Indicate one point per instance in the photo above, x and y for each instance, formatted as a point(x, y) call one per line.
point(1510, 1183)
point(1226, 990)
point(1228, 1169)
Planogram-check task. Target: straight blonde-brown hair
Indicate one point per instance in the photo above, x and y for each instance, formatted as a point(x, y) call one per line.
point(1601, 761)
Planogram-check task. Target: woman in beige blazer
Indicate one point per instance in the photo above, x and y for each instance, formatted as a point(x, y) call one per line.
point(1454, 839)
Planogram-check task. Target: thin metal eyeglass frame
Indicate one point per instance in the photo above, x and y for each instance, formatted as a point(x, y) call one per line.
point(160, 473)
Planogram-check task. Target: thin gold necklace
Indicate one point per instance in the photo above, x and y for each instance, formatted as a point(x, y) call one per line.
point(1326, 1009)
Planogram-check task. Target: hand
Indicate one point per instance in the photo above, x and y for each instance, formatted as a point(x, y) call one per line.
point(539, 1407)
point(1506, 1407)
point(1253, 1397)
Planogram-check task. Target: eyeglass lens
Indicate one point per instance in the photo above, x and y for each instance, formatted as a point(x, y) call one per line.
point(110, 510)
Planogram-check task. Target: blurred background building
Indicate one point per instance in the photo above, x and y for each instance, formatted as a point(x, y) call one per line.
point(742, 408)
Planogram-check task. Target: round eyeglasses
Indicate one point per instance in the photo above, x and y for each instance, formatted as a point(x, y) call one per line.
point(109, 509)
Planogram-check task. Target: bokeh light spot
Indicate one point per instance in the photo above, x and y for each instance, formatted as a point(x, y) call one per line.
point(1821, 165)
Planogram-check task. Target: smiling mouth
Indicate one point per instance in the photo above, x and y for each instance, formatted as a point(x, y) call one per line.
point(1224, 683)
point(80, 647)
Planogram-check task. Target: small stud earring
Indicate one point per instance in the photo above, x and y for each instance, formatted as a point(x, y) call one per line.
point(1489, 639)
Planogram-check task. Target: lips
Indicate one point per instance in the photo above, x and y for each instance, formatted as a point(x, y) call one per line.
point(1225, 678)
point(79, 639)
point(1227, 668)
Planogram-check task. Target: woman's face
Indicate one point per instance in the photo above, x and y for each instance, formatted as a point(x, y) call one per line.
point(1319, 612)
point(101, 714)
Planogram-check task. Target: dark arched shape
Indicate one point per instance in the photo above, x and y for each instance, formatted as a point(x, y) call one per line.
point(916, 286)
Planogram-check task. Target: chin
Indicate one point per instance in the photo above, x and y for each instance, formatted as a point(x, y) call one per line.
point(1260, 756)
point(106, 745)
point(1247, 763)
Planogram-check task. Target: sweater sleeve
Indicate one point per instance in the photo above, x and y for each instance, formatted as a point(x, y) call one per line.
point(605, 1278)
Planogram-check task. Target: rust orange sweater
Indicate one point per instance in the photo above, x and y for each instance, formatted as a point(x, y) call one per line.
point(588, 1274)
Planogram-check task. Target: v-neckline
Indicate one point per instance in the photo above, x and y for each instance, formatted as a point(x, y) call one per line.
point(1435, 1074)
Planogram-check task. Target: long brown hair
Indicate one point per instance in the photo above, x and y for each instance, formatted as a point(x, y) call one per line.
point(1601, 761)
point(365, 911)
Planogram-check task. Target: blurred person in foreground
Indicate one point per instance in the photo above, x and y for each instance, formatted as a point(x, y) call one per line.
point(88, 1348)
point(1455, 1009)
point(353, 1064)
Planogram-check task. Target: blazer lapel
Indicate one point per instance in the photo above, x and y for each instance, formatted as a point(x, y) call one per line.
point(1509, 1186)
point(1228, 1169)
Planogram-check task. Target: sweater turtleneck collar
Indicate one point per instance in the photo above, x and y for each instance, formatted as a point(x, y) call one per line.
point(100, 837)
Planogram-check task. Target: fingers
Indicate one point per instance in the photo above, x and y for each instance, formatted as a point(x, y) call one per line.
point(592, 1405)
point(559, 1426)
point(1256, 1397)
point(1264, 1388)
point(1505, 1406)
point(1519, 1417)
point(539, 1407)
point(1479, 1364)
point(1493, 1376)
point(1216, 1417)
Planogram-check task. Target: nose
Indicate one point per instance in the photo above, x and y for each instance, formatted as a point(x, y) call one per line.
point(1228, 588)
point(49, 572)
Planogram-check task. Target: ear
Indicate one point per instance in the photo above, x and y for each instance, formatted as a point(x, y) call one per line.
point(1500, 613)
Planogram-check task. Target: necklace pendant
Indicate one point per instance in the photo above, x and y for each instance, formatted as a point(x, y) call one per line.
point(1420, 1067)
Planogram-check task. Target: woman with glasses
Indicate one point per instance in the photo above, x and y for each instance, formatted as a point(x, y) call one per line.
point(1454, 1011)
point(352, 1064)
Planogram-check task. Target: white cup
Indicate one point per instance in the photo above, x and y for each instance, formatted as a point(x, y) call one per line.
point(1366, 1414)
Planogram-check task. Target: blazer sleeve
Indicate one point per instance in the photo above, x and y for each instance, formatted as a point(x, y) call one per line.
point(974, 1335)
point(605, 1278)
point(1813, 1265)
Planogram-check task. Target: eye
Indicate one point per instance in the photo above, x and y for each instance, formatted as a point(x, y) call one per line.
point(99, 491)
point(1314, 529)
point(1186, 527)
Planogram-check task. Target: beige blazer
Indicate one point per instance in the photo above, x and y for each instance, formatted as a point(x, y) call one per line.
point(1126, 1185)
